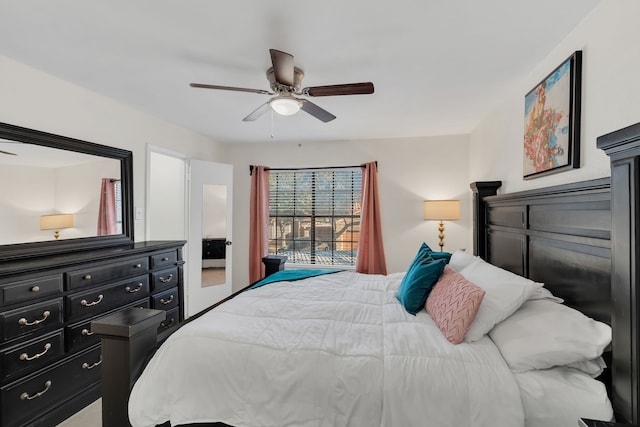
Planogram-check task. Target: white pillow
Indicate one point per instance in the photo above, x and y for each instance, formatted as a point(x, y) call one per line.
point(593, 368)
point(544, 293)
point(460, 259)
point(543, 334)
point(504, 294)
point(559, 397)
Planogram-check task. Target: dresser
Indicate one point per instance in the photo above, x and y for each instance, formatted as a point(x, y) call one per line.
point(49, 357)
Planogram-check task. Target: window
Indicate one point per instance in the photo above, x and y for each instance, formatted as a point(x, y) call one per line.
point(314, 215)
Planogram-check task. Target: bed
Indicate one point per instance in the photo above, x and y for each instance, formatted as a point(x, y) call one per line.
point(353, 355)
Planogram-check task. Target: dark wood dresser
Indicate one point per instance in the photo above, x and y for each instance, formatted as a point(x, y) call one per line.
point(49, 357)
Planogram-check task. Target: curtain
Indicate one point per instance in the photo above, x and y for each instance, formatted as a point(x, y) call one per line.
point(370, 258)
point(258, 222)
point(107, 213)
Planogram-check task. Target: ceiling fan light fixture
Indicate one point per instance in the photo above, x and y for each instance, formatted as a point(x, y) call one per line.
point(285, 105)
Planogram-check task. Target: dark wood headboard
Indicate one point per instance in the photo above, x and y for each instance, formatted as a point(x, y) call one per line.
point(583, 241)
point(559, 236)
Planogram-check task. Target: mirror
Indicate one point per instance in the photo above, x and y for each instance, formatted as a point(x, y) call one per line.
point(214, 232)
point(61, 194)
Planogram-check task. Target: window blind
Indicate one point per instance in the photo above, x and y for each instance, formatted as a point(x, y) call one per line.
point(314, 215)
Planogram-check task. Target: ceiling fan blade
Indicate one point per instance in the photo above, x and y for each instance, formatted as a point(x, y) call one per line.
point(282, 67)
point(257, 113)
point(345, 89)
point(317, 112)
point(237, 89)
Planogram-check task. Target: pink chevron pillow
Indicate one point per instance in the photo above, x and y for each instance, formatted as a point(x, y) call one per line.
point(453, 304)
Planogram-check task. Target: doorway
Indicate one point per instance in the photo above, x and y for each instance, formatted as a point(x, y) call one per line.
point(192, 200)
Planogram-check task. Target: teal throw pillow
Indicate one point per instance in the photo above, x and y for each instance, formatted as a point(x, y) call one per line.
point(446, 256)
point(422, 274)
point(437, 255)
point(423, 255)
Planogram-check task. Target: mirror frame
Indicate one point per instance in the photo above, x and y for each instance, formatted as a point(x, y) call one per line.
point(54, 247)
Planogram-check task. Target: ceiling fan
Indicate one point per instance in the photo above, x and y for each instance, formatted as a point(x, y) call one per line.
point(285, 81)
point(8, 153)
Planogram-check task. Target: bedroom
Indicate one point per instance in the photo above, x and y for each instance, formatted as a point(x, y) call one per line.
point(607, 36)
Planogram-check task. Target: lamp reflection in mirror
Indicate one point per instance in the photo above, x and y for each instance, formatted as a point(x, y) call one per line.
point(57, 222)
point(442, 210)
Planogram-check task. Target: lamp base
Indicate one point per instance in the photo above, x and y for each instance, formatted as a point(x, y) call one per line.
point(441, 236)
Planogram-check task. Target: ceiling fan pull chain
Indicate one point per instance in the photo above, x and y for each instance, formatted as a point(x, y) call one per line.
point(271, 123)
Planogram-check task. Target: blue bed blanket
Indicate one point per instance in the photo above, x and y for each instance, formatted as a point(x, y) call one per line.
point(291, 275)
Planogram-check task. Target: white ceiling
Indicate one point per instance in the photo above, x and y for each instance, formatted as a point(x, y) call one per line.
point(438, 66)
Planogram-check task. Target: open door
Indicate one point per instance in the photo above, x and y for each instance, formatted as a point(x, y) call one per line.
point(209, 245)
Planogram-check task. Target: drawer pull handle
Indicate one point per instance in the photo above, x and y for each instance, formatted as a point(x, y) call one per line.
point(137, 266)
point(165, 259)
point(25, 356)
point(85, 365)
point(165, 302)
point(128, 289)
point(26, 396)
point(87, 277)
point(86, 332)
point(166, 325)
point(167, 280)
point(89, 304)
point(45, 315)
point(35, 289)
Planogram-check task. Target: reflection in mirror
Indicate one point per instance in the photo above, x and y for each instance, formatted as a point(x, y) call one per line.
point(214, 232)
point(51, 185)
point(39, 183)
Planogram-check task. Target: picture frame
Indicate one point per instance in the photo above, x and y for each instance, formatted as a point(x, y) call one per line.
point(551, 142)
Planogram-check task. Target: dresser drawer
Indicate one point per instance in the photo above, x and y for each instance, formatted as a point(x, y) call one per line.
point(24, 290)
point(31, 355)
point(165, 259)
point(98, 275)
point(26, 398)
point(79, 334)
point(22, 321)
point(173, 317)
point(164, 279)
point(165, 300)
point(96, 301)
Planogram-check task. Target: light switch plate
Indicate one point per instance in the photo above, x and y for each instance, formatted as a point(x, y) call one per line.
point(139, 213)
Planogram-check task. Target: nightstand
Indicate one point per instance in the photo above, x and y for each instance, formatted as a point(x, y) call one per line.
point(273, 264)
point(585, 422)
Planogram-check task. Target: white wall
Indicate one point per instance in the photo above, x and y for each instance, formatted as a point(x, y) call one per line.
point(166, 198)
point(22, 206)
point(410, 171)
point(608, 38)
point(39, 101)
point(214, 211)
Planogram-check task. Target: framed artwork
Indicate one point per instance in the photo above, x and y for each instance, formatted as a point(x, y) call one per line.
point(552, 121)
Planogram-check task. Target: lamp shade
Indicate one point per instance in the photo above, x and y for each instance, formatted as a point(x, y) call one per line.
point(56, 221)
point(442, 210)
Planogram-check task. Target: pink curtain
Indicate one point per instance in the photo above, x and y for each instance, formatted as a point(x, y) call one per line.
point(370, 259)
point(258, 222)
point(107, 213)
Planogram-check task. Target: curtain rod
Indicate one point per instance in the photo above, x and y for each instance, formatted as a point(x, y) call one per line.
point(310, 168)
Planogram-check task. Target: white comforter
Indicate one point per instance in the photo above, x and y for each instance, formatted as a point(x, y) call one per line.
point(335, 350)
